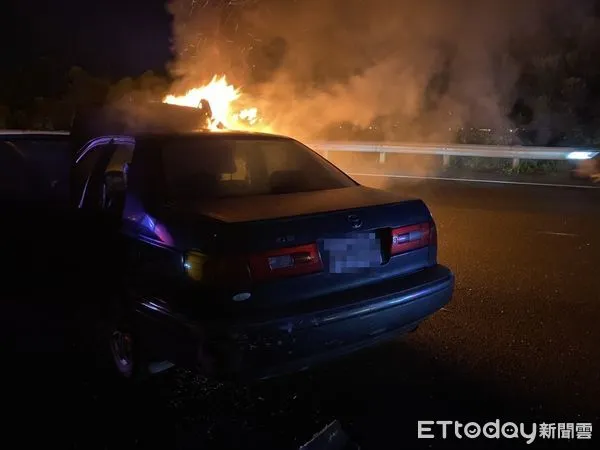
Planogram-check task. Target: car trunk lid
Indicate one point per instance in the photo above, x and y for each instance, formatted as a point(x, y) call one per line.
point(304, 245)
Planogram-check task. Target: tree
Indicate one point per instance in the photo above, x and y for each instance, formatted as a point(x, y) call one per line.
point(40, 116)
point(85, 89)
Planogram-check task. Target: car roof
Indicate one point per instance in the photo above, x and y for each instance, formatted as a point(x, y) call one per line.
point(224, 134)
point(133, 137)
point(160, 136)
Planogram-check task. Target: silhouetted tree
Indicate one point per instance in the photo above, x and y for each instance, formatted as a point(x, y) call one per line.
point(84, 89)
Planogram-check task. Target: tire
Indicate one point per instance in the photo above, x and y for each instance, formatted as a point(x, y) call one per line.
point(120, 347)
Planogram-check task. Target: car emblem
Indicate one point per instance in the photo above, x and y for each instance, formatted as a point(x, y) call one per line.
point(285, 239)
point(355, 221)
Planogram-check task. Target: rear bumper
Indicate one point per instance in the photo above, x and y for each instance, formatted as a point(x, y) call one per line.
point(261, 349)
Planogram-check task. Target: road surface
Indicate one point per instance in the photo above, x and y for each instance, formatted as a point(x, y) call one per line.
point(519, 342)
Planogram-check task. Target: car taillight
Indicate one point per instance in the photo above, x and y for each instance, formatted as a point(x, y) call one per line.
point(285, 262)
point(207, 269)
point(412, 237)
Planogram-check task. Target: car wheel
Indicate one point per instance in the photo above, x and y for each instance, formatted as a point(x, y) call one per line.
point(121, 348)
point(125, 356)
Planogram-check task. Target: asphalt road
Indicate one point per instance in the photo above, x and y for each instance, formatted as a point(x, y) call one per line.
point(519, 342)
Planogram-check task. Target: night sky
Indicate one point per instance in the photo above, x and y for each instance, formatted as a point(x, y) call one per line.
point(112, 38)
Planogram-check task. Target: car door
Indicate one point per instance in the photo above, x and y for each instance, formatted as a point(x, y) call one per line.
point(97, 239)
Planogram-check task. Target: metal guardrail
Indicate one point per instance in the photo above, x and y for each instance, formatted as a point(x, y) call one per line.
point(516, 153)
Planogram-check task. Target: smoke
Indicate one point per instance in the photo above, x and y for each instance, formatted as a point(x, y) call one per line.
point(426, 66)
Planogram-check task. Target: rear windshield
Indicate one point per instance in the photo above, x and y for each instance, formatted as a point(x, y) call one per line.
point(201, 167)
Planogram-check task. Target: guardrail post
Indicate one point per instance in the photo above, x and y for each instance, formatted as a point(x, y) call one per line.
point(381, 157)
point(446, 160)
point(515, 163)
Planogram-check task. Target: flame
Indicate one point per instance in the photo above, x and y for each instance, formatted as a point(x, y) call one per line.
point(250, 115)
point(221, 96)
point(218, 93)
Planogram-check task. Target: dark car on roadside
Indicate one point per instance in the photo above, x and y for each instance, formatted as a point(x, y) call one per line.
point(250, 253)
point(234, 253)
point(32, 163)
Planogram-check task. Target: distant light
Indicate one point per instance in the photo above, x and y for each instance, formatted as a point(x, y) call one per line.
point(581, 155)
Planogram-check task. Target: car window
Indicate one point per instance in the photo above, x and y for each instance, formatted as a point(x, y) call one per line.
point(197, 167)
point(89, 173)
point(48, 159)
point(241, 171)
point(87, 162)
point(116, 179)
point(121, 158)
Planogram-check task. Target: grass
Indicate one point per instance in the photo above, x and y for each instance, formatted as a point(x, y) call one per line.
point(505, 166)
point(479, 163)
point(535, 167)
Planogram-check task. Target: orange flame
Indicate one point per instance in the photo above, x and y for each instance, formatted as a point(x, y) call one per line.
point(221, 97)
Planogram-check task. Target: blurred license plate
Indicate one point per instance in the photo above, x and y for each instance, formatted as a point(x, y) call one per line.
point(353, 253)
